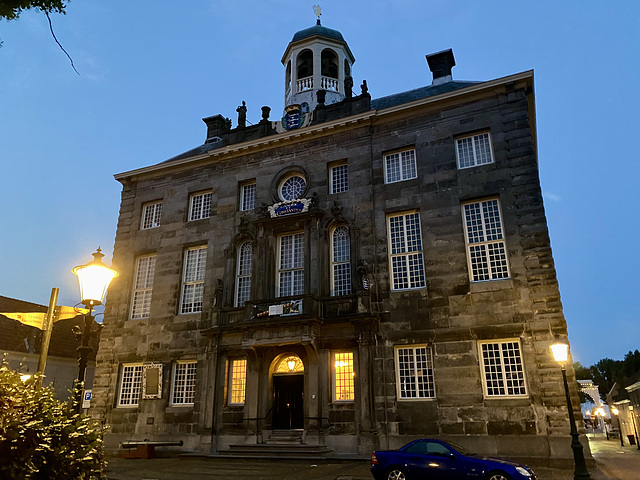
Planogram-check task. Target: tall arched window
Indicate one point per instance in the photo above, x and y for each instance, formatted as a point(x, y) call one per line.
point(304, 64)
point(329, 63)
point(340, 261)
point(243, 275)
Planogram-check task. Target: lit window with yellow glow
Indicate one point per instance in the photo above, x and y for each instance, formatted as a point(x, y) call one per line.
point(238, 376)
point(344, 377)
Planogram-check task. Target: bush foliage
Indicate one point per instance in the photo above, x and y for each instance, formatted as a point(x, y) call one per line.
point(42, 437)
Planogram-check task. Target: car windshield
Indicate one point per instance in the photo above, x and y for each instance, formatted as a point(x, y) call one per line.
point(460, 449)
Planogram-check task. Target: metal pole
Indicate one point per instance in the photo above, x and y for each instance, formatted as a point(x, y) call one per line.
point(620, 430)
point(581, 472)
point(83, 350)
point(46, 337)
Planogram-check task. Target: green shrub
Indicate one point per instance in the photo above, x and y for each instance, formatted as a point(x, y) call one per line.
point(42, 437)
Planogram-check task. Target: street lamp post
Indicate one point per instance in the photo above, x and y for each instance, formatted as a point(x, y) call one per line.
point(616, 412)
point(560, 351)
point(602, 415)
point(94, 278)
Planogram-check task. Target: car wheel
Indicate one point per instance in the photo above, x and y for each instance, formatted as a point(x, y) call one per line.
point(396, 473)
point(497, 475)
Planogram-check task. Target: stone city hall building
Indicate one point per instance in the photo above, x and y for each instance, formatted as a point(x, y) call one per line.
point(356, 274)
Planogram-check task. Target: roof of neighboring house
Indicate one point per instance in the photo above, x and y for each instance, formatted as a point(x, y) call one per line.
point(17, 337)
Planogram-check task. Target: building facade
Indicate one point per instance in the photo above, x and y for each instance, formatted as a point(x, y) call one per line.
point(358, 273)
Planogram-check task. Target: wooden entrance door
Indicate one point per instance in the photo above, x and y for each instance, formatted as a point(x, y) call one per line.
point(287, 402)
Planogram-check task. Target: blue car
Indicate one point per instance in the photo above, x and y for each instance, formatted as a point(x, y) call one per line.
point(432, 459)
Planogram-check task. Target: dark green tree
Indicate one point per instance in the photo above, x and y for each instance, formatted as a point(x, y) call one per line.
point(42, 438)
point(11, 9)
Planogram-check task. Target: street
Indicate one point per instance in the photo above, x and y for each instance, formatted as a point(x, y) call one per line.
point(613, 463)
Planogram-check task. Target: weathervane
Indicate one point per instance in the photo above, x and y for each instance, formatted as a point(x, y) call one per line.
point(318, 11)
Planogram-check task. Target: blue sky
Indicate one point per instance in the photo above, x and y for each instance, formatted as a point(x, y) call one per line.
point(150, 71)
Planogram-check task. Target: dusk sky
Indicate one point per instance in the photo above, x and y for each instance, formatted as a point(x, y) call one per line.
point(150, 71)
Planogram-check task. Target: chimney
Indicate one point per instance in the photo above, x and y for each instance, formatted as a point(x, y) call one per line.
point(440, 65)
point(216, 126)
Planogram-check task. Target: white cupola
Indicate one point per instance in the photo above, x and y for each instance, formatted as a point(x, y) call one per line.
point(317, 58)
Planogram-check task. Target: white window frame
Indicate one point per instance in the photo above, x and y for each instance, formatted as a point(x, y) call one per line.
point(200, 205)
point(293, 270)
point(339, 178)
point(183, 382)
point(244, 269)
point(403, 162)
point(243, 382)
point(410, 258)
point(193, 280)
point(143, 287)
point(502, 372)
point(151, 215)
point(423, 383)
point(474, 145)
point(334, 375)
point(248, 196)
point(340, 264)
point(129, 394)
point(487, 255)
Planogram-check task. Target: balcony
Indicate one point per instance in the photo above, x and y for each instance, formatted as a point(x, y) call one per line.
point(326, 83)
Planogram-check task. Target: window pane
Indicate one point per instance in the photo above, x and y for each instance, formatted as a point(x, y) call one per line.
point(143, 287)
point(238, 381)
point(243, 284)
point(407, 269)
point(485, 241)
point(344, 374)
point(200, 206)
point(184, 383)
point(482, 145)
point(193, 280)
point(415, 372)
point(393, 168)
point(131, 385)
point(151, 215)
point(248, 197)
point(503, 369)
point(339, 179)
point(409, 165)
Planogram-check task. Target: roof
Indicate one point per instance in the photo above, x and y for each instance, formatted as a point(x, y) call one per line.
point(418, 94)
point(318, 30)
point(17, 337)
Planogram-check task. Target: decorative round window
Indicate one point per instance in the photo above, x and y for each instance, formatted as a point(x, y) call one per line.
point(292, 187)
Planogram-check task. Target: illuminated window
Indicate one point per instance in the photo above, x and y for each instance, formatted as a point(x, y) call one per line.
point(474, 150)
point(143, 286)
point(184, 383)
point(248, 197)
point(291, 265)
point(339, 176)
point(243, 275)
point(502, 368)
point(340, 262)
point(486, 249)
point(405, 251)
point(414, 372)
point(400, 166)
point(193, 280)
point(151, 214)
point(238, 379)
point(290, 364)
point(130, 385)
point(344, 377)
point(200, 206)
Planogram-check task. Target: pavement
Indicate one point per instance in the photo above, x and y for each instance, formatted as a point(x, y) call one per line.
point(613, 462)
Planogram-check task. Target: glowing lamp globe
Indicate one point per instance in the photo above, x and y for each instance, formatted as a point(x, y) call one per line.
point(94, 279)
point(560, 350)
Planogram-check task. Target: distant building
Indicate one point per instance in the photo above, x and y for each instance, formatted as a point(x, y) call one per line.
point(21, 346)
point(356, 274)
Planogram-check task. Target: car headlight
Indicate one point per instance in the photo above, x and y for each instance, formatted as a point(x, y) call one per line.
point(523, 471)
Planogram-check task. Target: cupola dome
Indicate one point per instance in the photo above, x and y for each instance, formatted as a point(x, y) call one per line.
point(317, 58)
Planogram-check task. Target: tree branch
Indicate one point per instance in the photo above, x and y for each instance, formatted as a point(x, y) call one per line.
point(61, 47)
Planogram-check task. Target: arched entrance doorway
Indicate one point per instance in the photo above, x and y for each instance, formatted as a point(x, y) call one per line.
point(288, 390)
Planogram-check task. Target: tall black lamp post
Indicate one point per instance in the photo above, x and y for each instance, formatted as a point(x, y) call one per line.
point(560, 351)
point(94, 278)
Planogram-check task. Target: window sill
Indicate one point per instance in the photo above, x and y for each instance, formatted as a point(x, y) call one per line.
point(421, 399)
point(491, 285)
point(512, 401)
